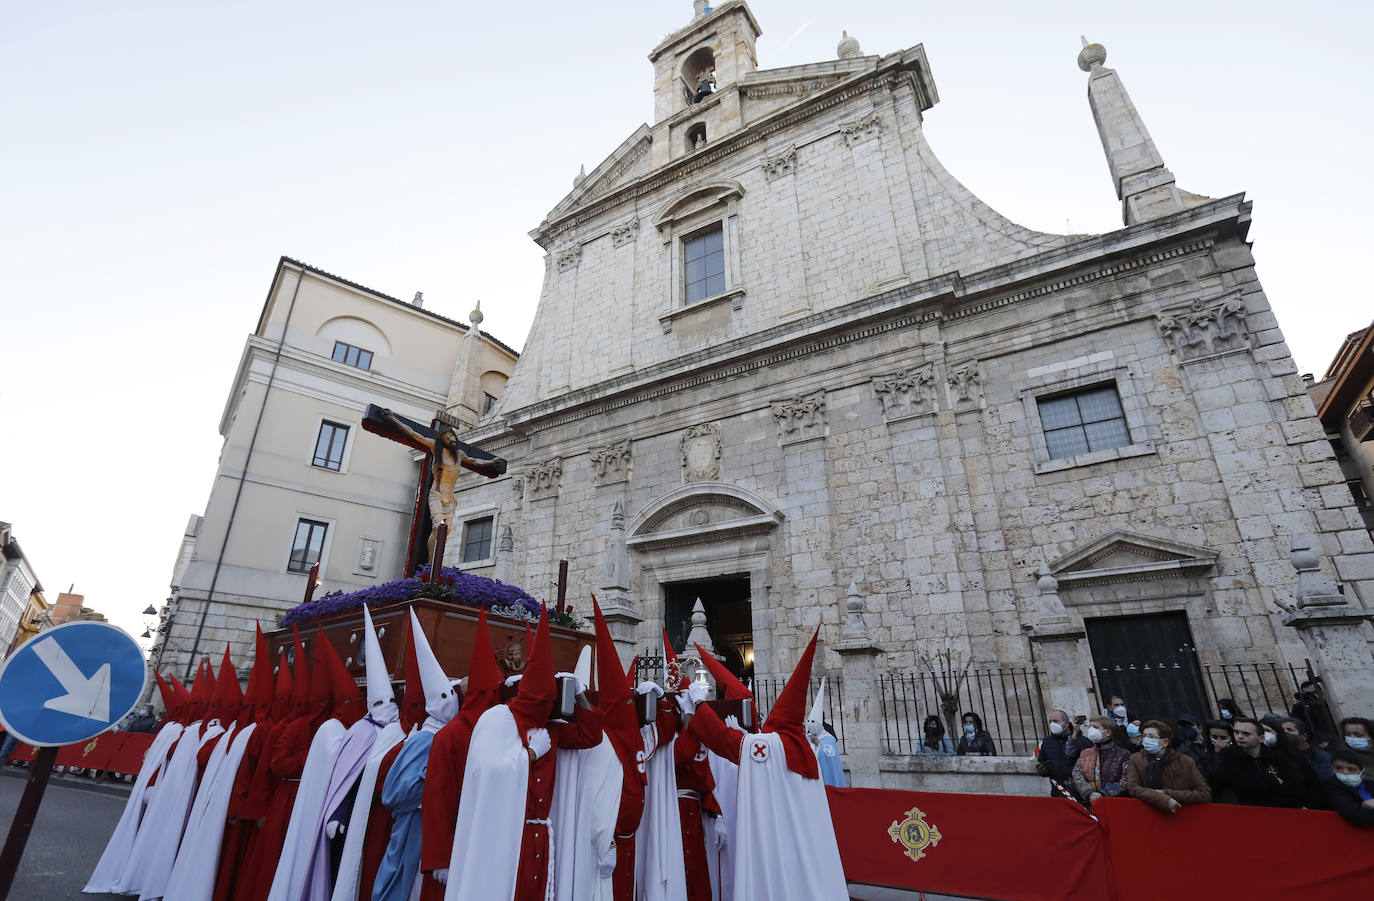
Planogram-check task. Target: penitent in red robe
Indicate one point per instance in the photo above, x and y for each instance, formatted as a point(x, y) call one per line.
point(247, 805)
point(695, 785)
point(448, 757)
point(285, 762)
point(632, 807)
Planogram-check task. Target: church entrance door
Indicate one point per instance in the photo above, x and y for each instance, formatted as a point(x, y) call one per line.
point(1150, 661)
point(729, 618)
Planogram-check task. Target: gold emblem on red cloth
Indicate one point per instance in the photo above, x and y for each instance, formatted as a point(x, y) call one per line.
point(90, 747)
point(915, 833)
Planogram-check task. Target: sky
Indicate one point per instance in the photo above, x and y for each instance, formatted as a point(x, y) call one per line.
point(158, 158)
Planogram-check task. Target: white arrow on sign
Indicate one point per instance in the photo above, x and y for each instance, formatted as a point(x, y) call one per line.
point(85, 697)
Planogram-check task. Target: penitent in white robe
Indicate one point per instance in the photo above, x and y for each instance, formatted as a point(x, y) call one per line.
point(720, 853)
point(586, 801)
point(193, 875)
point(121, 843)
point(307, 813)
point(784, 840)
point(346, 882)
point(491, 813)
point(659, 875)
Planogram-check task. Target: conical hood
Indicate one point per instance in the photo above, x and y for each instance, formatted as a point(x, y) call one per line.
point(632, 670)
point(441, 701)
point(228, 696)
point(786, 716)
point(174, 697)
point(533, 703)
point(614, 697)
point(815, 720)
point(300, 678)
point(734, 689)
point(183, 699)
point(257, 702)
point(347, 702)
point(484, 676)
point(381, 697)
point(670, 656)
point(321, 689)
point(200, 696)
point(413, 700)
point(281, 694)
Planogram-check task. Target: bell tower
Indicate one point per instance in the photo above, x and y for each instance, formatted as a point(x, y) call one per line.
point(697, 73)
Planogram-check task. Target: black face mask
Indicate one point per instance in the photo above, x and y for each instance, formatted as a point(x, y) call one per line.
point(932, 730)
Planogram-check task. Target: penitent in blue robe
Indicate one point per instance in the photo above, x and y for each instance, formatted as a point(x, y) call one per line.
point(402, 792)
point(832, 768)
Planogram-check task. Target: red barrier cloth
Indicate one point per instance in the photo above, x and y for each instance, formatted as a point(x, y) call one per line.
point(94, 754)
point(986, 846)
point(24, 753)
point(128, 759)
point(1229, 851)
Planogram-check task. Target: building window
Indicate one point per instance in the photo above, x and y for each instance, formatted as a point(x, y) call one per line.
point(308, 545)
point(703, 261)
point(477, 539)
point(329, 446)
point(1084, 421)
point(488, 401)
point(352, 356)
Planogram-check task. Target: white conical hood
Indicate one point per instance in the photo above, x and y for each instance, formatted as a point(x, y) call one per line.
point(816, 718)
point(441, 701)
point(381, 700)
point(583, 670)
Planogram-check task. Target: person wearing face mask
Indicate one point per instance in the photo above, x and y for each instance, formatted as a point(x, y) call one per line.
point(975, 741)
point(1228, 710)
point(1161, 776)
point(1258, 775)
point(1189, 741)
point(934, 740)
point(1350, 792)
point(1116, 712)
point(1101, 769)
point(1059, 751)
point(1356, 733)
point(1317, 758)
point(1128, 735)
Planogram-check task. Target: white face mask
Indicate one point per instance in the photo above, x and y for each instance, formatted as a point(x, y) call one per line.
point(1093, 734)
point(1351, 779)
point(1270, 739)
point(1056, 728)
point(1359, 744)
point(1119, 710)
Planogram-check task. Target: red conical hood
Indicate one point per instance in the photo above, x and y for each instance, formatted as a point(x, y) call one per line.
point(788, 712)
point(413, 701)
point(281, 696)
point(734, 689)
point(614, 698)
point(321, 687)
point(533, 703)
point(484, 676)
point(631, 670)
point(300, 680)
point(670, 656)
point(169, 698)
point(349, 706)
point(228, 695)
point(209, 677)
point(200, 696)
point(257, 702)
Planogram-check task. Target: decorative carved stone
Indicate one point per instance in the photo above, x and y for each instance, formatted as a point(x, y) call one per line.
point(869, 126)
point(611, 463)
point(1204, 329)
point(625, 234)
point(368, 553)
point(517, 484)
point(907, 392)
point(506, 543)
point(544, 479)
point(505, 556)
point(701, 453)
point(568, 257)
point(966, 386)
point(616, 576)
point(784, 163)
point(800, 418)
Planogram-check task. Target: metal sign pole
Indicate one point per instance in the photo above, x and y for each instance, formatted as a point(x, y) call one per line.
point(23, 818)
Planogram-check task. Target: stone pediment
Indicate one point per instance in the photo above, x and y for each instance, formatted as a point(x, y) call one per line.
point(627, 163)
point(702, 512)
point(1123, 556)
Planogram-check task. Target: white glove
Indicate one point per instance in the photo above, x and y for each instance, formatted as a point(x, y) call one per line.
point(698, 692)
point(653, 688)
point(732, 722)
point(511, 680)
point(332, 828)
point(576, 681)
point(538, 741)
point(722, 833)
point(607, 865)
point(686, 704)
point(440, 876)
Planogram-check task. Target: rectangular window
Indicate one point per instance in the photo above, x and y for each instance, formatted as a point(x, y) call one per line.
point(329, 446)
point(352, 356)
point(488, 401)
point(308, 545)
point(1088, 420)
point(703, 261)
point(477, 539)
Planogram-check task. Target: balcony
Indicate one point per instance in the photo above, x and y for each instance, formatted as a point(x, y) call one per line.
point(1362, 419)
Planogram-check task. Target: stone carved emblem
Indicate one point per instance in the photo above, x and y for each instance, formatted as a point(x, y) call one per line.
point(625, 234)
point(568, 257)
point(784, 163)
point(915, 834)
point(701, 453)
point(517, 484)
point(1204, 329)
point(800, 418)
point(367, 554)
point(506, 544)
point(869, 126)
point(544, 479)
point(611, 463)
point(907, 392)
point(966, 386)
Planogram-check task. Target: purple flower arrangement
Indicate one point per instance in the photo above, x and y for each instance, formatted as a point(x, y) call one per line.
point(453, 585)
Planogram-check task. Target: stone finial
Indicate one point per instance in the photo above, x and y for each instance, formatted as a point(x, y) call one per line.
point(419, 300)
point(1046, 582)
point(698, 633)
point(1314, 588)
point(1091, 55)
point(854, 625)
point(848, 48)
point(476, 317)
point(581, 176)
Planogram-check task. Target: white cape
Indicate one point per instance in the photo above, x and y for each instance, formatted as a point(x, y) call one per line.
point(720, 851)
point(659, 874)
point(586, 801)
point(193, 875)
point(783, 836)
point(491, 813)
point(351, 862)
point(116, 856)
point(307, 814)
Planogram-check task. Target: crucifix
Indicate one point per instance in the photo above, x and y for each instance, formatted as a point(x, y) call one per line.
point(447, 457)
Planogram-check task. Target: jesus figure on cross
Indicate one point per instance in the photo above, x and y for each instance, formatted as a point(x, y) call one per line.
point(447, 458)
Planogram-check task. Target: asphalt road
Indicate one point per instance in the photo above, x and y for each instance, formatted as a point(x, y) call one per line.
point(73, 825)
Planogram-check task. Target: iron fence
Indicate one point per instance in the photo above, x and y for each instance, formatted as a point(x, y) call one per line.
point(1007, 698)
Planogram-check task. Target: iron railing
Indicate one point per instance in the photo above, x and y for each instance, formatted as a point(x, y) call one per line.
point(1007, 698)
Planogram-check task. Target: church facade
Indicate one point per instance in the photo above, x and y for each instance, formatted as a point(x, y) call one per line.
point(780, 351)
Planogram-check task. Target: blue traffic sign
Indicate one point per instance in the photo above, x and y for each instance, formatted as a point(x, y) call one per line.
point(70, 683)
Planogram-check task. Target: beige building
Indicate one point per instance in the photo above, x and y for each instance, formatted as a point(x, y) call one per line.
point(846, 393)
point(1344, 399)
point(298, 482)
